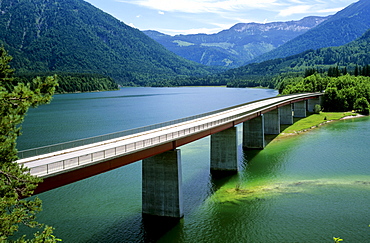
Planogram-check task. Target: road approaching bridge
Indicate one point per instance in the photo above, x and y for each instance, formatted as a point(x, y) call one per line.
point(158, 144)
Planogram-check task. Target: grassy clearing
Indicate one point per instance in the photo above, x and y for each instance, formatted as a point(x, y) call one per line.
point(313, 120)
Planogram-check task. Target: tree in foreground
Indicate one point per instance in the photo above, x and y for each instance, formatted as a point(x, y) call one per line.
point(16, 183)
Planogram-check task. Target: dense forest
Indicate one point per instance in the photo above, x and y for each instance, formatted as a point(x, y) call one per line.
point(348, 57)
point(342, 93)
point(351, 58)
point(75, 37)
point(236, 46)
point(74, 82)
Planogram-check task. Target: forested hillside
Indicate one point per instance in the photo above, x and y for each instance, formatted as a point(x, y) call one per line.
point(73, 36)
point(353, 58)
point(343, 27)
point(348, 57)
point(236, 46)
point(74, 82)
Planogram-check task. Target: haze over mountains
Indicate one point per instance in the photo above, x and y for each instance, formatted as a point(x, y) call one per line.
point(343, 27)
point(348, 56)
point(236, 46)
point(252, 42)
point(74, 36)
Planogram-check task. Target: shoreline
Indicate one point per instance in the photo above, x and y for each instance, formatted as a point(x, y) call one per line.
point(350, 117)
point(283, 135)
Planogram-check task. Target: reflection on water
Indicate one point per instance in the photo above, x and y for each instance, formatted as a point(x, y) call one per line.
point(307, 188)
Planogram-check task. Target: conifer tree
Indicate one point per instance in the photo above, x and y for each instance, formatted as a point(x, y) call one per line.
point(16, 183)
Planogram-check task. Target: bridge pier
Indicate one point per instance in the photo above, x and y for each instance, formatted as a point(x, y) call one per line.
point(224, 152)
point(272, 122)
point(311, 103)
point(162, 185)
point(254, 133)
point(300, 109)
point(286, 115)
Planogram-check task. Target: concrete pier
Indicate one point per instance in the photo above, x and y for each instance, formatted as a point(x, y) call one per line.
point(286, 115)
point(254, 133)
point(162, 185)
point(272, 122)
point(311, 103)
point(300, 109)
point(224, 152)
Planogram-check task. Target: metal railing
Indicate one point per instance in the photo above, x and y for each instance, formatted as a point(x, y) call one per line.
point(90, 158)
point(80, 142)
point(121, 149)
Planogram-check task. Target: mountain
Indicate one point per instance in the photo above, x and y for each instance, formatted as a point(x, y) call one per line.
point(343, 27)
point(237, 45)
point(75, 37)
point(349, 57)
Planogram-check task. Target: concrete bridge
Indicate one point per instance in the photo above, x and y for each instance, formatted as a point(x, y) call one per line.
point(157, 147)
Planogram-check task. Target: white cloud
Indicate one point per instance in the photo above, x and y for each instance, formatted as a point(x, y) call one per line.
point(331, 10)
point(300, 9)
point(192, 31)
point(199, 6)
point(211, 16)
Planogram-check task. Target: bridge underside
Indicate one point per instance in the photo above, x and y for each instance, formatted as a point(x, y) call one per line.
point(162, 189)
point(84, 172)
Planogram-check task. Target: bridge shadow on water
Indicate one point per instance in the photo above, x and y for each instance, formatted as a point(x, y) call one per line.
point(137, 228)
point(147, 228)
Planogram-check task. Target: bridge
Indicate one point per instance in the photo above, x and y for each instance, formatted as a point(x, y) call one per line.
point(157, 147)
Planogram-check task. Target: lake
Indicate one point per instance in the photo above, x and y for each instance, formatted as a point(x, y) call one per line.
point(307, 188)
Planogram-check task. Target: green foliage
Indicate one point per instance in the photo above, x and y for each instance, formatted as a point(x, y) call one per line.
point(72, 36)
point(235, 46)
point(362, 105)
point(341, 94)
point(353, 58)
point(317, 109)
point(15, 181)
point(75, 82)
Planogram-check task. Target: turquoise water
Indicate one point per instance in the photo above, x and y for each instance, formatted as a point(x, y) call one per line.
point(307, 188)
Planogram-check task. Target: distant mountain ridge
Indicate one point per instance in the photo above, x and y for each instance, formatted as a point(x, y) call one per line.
point(74, 36)
point(237, 45)
point(341, 28)
point(348, 56)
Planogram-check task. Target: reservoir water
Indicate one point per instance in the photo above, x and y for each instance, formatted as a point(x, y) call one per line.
point(306, 188)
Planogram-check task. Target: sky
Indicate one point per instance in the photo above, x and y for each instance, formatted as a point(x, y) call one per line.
point(174, 17)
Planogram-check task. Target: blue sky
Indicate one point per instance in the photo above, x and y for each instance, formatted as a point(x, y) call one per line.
point(211, 16)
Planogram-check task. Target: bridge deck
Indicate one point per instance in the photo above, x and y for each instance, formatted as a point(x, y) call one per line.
point(56, 163)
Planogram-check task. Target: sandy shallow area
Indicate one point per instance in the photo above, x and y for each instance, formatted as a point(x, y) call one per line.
point(350, 117)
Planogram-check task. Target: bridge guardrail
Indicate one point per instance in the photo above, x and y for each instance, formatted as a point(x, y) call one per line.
point(43, 170)
point(80, 142)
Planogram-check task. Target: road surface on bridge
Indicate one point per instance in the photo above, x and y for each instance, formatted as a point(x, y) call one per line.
point(56, 163)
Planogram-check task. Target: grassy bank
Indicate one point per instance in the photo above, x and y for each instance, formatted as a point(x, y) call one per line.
point(311, 121)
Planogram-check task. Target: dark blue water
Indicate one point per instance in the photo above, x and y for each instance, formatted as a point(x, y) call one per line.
point(74, 116)
point(307, 188)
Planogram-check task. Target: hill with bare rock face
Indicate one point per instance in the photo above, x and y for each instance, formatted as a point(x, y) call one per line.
point(237, 45)
point(342, 28)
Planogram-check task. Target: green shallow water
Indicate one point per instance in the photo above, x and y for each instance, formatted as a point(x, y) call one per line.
point(306, 188)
